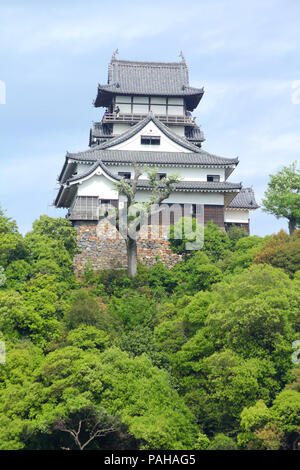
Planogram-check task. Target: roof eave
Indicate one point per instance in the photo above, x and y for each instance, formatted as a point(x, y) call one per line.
point(104, 96)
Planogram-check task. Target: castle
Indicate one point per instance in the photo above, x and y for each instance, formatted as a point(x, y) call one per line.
point(147, 122)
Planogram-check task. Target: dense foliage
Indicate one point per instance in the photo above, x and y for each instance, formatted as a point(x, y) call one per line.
point(282, 197)
point(195, 357)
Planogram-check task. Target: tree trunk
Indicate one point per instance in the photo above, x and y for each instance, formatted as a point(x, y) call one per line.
point(292, 225)
point(131, 257)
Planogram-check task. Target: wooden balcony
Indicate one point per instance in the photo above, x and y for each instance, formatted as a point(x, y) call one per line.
point(133, 118)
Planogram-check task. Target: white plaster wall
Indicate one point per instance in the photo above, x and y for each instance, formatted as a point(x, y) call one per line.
point(236, 216)
point(176, 110)
point(188, 174)
point(166, 144)
point(178, 129)
point(186, 198)
point(98, 185)
point(125, 107)
point(120, 128)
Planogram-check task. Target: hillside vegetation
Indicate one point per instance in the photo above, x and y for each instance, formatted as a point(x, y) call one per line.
point(196, 357)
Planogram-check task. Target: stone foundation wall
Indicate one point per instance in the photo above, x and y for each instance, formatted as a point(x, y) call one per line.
point(104, 248)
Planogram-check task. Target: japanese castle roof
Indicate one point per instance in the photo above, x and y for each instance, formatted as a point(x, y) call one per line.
point(140, 125)
point(91, 170)
point(195, 134)
point(102, 132)
point(245, 199)
point(202, 186)
point(221, 186)
point(148, 158)
point(67, 190)
point(144, 157)
point(148, 79)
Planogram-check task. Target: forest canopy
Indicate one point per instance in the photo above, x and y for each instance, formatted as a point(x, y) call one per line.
point(194, 357)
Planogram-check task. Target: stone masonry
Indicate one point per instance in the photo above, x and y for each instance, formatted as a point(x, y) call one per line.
point(103, 247)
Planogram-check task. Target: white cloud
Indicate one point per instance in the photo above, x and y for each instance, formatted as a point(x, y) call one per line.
point(283, 143)
point(84, 28)
point(206, 27)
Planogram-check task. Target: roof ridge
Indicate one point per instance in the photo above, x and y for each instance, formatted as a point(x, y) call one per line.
point(146, 152)
point(155, 63)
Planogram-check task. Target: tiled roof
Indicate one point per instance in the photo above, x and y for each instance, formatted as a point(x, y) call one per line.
point(113, 157)
point(67, 191)
point(195, 134)
point(197, 156)
point(150, 79)
point(100, 133)
point(202, 186)
point(245, 199)
point(140, 125)
point(91, 169)
point(181, 185)
point(101, 130)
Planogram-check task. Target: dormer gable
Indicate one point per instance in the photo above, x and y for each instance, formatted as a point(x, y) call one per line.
point(151, 127)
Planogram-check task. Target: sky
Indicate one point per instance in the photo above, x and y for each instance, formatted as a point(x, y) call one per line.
point(54, 54)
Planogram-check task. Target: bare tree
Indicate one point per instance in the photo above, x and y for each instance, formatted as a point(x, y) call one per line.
point(161, 190)
point(85, 426)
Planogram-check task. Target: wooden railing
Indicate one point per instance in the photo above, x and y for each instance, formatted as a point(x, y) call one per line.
point(132, 117)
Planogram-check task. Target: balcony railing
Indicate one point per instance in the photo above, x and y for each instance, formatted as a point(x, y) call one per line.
point(132, 118)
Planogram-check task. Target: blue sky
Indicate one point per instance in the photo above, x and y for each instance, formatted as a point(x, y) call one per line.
point(53, 55)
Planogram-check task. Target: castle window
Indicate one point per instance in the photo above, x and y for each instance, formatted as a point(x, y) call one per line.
point(150, 140)
point(124, 175)
point(160, 176)
point(214, 178)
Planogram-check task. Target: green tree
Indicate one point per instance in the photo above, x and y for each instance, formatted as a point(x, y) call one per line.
point(137, 213)
point(275, 427)
point(282, 251)
point(242, 257)
point(222, 442)
point(282, 198)
point(50, 257)
point(218, 387)
point(255, 315)
point(86, 425)
point(235, 233)
point(202, 442)
point(85, 309)
point(86, 337)
point(7, 225)
point(133, 308)
point(194, 274)
point(57, 229)
point(71, 379)
point(12, 245)
point(216, 243)
point(185, 230)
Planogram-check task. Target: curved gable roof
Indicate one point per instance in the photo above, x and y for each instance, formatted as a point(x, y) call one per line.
point(245, 199)
point(91, 170)
point(148, 78)
point(140, 125)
